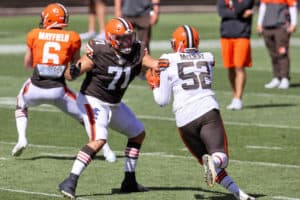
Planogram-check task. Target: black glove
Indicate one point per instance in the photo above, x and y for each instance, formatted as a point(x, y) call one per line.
point(75, 70)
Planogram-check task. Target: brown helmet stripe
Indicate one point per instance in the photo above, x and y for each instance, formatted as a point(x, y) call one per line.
point(190, 38)
point(125, 23)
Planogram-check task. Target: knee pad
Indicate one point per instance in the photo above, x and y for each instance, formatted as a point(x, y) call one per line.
point(220, 160)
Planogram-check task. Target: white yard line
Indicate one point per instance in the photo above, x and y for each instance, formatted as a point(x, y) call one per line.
point(79, 198)
point(263, 147)
point(30, 192)
point(10, 102)
point(159, 154)
point(154, 45)
point(284, 198)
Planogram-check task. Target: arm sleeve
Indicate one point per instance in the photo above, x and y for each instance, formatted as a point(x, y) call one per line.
point(225, 12)
point(293, 13)
point(162, 94)
point(261, 13)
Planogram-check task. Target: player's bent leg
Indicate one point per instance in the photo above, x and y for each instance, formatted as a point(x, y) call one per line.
point(83, 159)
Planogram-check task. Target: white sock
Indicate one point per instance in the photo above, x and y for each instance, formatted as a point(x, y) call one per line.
point(131, 155)
point(21, 123)
point(224, 180)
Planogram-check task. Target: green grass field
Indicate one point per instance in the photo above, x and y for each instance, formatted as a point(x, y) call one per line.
point(264, 138)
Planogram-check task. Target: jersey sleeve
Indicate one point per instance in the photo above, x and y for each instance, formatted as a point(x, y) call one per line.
point(210, 58)
point(30, 38)
point(76, 41)
point(162, 94)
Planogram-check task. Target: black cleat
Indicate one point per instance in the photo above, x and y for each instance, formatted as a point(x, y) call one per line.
point(68, 187)
point(128, 187)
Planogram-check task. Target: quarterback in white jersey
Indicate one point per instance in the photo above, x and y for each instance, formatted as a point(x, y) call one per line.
point(187, 73)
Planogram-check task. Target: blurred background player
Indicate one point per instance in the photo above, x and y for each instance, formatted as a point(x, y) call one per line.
point(187, 73)
point(235, 29)
point(97, 13)
point(277, 20)
point(143, 14)
point(49, 50)
point(111, 65)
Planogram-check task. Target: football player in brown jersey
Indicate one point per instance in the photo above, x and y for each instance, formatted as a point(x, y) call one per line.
point(50, 49)
point(110, 66)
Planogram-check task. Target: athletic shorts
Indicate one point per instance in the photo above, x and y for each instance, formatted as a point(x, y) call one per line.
point(236, 52)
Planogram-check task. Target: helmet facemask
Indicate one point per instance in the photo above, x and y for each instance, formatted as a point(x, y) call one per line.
point(124, 42)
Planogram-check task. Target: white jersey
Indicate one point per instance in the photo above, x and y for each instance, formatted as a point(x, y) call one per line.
point(189, 77)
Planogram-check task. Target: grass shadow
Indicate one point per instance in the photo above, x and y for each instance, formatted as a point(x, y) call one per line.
point(258, 106)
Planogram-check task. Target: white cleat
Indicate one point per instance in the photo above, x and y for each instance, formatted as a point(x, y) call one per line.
point(18, 148)
point(274, 83)
point(236, 104)
point(284, 84)
point(110, 156)
point(209, 170)
point(243, 196)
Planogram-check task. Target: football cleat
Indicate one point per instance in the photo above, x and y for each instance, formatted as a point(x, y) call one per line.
point(110, 156)
point(240, 195)
point(274, 83)
point(284, 84)
point(68, 187)
point(131, 186)
point(18, 148)
point(236, 104)
point(209, 170)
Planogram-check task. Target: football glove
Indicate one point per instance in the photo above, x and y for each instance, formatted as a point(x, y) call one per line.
point(153, 78)
point(75, 70)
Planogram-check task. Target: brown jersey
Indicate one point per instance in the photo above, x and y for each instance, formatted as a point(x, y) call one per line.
point(112, 73)
point(51, 48)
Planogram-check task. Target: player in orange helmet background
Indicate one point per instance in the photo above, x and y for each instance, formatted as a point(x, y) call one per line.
point(49, 51)
point(187, 73)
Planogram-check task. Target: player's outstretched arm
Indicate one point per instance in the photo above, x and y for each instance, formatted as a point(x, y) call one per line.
point(83, 65)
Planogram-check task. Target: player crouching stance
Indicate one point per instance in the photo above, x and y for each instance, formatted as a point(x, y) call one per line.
point(111, 65)
point(188, 74)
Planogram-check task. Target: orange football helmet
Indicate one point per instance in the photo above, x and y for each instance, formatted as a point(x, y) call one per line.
point(55, 15)
point(185, 37)
point(120, 34)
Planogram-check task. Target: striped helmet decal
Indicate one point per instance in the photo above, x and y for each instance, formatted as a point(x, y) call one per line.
point(125, 24)
point(190, 36)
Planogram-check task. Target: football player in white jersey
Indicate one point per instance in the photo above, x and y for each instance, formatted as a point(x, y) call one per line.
point(187, 73)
